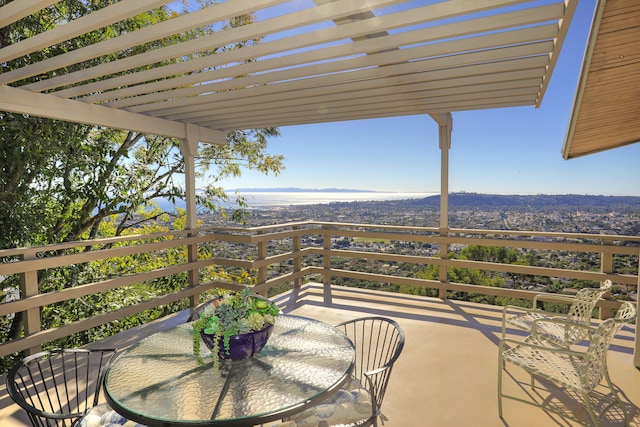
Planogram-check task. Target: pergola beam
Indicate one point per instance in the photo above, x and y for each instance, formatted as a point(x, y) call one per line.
point(114, 13)
point(315, 63)
point(17, 10)
point(25, 102)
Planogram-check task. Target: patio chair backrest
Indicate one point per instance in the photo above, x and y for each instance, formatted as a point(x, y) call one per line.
point(596, 363)
point(581, 310)
point(585, 301)
point(58, 387)
point(378, 342)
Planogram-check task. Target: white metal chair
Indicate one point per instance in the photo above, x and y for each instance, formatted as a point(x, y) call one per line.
point(378, 342)
point(58, 387)
point(579, 371)
point(565, 334)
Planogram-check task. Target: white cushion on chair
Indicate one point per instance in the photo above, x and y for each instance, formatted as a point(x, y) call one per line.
point(350, 404)
point(103, 416)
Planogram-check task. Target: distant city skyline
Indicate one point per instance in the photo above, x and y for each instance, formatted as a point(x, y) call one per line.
point(499, 151)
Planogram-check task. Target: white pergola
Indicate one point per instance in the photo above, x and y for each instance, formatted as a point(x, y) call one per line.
point(319, 61)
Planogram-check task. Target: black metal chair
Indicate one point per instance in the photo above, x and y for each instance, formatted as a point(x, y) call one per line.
point(58, 387)
point(378, 342)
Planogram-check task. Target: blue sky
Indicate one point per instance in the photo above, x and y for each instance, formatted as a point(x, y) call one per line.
point(500, 151)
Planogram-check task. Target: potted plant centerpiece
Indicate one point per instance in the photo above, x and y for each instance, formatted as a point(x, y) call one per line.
point(234, 326)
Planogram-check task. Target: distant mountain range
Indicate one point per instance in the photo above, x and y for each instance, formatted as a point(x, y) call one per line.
point(302, 190)
point(541, 202)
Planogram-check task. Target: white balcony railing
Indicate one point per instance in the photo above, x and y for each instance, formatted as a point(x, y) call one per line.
point(290, 254)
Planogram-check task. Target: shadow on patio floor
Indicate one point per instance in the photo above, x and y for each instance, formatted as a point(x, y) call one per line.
point(447, 373)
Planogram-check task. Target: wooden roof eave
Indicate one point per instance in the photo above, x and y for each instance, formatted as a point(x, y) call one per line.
point(606, 109)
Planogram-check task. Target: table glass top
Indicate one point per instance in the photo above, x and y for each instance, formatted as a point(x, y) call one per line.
point(159, 382)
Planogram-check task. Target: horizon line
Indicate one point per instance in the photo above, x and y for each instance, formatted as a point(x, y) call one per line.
point(346, 190)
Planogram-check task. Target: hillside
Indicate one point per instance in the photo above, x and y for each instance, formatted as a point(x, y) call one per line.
point(526, 202)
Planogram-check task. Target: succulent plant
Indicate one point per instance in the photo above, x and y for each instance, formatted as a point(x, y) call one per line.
point(233, 313)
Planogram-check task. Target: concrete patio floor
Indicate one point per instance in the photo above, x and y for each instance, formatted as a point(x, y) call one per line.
point(447, 373)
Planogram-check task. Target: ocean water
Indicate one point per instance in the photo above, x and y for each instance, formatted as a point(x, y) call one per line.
point(289, 198)
point(272, 199)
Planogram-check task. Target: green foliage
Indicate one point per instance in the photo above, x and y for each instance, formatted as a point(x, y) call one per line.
point(497, 254)
point(503, 301)
point(115, 299)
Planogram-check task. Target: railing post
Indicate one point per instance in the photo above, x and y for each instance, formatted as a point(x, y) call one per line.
point(297, 257)
point(194, 274)
point(444, 250)
point(29, 288)
point(326, 265)
point(606, 266)
point(262, 255)
point(636, 351)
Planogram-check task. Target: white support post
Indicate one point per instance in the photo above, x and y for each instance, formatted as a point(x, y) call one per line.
point(189, 149)
point(445, 126)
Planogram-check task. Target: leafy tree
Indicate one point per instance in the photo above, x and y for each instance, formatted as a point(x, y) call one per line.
point(497, 254)
point(63, 181)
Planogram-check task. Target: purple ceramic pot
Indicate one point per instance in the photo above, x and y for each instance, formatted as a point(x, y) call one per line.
point(240, 346)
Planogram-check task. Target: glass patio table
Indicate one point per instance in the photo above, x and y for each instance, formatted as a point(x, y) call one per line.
point(158, 382)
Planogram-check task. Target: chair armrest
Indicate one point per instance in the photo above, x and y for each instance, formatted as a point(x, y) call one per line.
point(564, 324)
point(560, 321)
point(376, 371)
point(538, 344)
point(550, 314)
point(376, 388)
point(377, 392)
point(566, 299)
